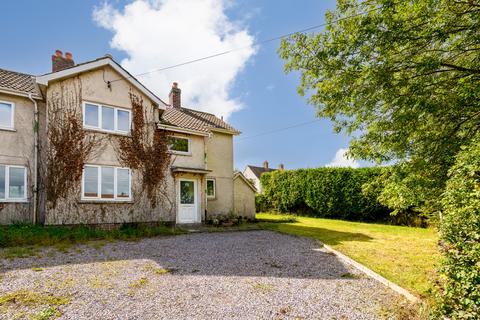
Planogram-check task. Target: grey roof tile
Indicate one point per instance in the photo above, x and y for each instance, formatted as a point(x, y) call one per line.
point(17, 81)
point(195, 120)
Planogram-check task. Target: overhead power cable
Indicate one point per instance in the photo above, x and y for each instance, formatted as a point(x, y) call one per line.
point(247, 47)
point(278, 130)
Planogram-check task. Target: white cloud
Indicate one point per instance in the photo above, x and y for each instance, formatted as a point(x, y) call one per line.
point(341, 160)
point(270, 87)
point(159, 33)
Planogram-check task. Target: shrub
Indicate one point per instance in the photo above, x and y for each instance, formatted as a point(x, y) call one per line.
point(459, 296)
point(324, 192)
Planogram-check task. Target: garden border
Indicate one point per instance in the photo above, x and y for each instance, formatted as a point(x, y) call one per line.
point(409, 296)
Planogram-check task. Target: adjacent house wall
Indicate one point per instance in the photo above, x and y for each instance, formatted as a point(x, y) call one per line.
point(244, 198)
point(73, 210)
point(252, 177)
point(220, 161)
point(17, 148)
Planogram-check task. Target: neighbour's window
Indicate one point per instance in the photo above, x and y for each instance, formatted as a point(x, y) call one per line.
point(106, 118)
point(106, 183)
point(6, 115)
point(179, 145)
point(211, 188)
point(13, 182)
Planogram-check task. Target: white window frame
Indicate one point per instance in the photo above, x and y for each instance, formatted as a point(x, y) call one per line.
point(214, 188)
point(12, 117)
point(187, 153)
point(115, 118)
point(7, 184)
point(99, 185)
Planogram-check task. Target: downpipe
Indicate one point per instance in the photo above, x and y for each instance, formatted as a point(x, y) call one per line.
point(36, 126)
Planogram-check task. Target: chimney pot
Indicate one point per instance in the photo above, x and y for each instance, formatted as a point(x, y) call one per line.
point(175, 96)
point(281, 166)
point(59, 62)
point(265, 164)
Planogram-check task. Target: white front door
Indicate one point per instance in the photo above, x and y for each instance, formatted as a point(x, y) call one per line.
point(188, 203)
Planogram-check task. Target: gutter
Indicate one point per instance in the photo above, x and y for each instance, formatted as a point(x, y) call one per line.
point(35, 160)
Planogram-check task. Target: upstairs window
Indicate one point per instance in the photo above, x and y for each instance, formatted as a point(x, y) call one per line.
point(105, 118)
point(210, 188)
point(6, 115)
point(106, 183)
point(179, 145)
point(13, 183)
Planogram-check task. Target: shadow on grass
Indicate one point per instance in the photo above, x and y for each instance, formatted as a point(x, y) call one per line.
point(327, 236)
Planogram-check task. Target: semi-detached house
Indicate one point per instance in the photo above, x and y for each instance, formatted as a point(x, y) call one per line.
point(200, 180)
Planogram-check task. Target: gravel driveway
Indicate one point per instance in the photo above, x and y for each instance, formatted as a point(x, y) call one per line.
point(238, 275)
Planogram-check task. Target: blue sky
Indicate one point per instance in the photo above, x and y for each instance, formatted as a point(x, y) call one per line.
point(34, 29)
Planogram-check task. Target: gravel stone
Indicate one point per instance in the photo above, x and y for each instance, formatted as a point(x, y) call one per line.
point(234, 275)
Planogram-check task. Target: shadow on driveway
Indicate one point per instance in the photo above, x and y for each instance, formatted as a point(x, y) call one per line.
point(247, 253)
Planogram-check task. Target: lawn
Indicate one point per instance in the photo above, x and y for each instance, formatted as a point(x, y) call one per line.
point(406, 256)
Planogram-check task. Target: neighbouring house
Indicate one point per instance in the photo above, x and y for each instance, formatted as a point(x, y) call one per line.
point(244, 197)
point(253, 173)
point(78, 146)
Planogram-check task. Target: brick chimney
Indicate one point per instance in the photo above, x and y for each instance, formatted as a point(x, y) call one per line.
point(59, 62)
point(265, 164)
point(175, 96)
point(281, 166)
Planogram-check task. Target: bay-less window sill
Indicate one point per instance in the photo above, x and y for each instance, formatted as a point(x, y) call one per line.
point(14, 201)
point(211, 198)
point(8, 129)
point(117, 133)
point(179, 153)
point(94, 201)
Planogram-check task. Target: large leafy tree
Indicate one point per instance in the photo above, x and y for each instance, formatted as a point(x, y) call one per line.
point(401, 76)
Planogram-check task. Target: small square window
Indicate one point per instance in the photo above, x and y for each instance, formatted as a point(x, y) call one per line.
point(211, 188)
point(180, 145)
point(13, 183)
point(6, 115)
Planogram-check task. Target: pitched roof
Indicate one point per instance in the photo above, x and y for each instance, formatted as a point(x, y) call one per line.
point(238, 174)
point(95, 64)
point(195, 120)
point(258, 171)
point(18, 82)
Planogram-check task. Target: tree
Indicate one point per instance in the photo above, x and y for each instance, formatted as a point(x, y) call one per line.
point(402, 77)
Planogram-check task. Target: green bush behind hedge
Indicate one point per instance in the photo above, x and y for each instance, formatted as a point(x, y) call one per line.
point(460, 239)
point(323, 192)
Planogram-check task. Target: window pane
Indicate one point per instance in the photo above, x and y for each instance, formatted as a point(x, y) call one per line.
point(108, 118)
point(90, 180)
point(16, 189)
point(107, 182)
point(123, 120)
point(211, 188)
point(123, 183)
point(179, 144)
point(6, 115)
point(91, 115)
point(2, 182)
point(187, 192)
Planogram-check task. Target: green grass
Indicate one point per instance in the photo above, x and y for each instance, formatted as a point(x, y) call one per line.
point(406, 256)
point(19, 238)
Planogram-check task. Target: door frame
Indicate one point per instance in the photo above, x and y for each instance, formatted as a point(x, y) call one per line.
point(198, 219)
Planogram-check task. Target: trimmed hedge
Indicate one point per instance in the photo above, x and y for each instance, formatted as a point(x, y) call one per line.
point(460, 239)
point(323, 192)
